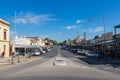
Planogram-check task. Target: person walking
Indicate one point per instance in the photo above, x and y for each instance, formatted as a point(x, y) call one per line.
point(3, 53)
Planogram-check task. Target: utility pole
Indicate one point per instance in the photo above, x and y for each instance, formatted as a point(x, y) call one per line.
point(104, 44)
point(15, 24)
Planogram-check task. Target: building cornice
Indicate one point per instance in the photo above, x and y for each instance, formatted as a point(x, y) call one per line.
point(3, 41)
point(4, 22)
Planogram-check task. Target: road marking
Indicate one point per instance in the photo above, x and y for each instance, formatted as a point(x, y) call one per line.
point(59, 61)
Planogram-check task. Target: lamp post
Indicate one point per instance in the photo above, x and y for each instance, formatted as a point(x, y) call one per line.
point(104, 25)
point(104, 44)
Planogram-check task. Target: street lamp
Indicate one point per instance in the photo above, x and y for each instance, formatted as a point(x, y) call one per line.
point(104, 44)
point(104, 24)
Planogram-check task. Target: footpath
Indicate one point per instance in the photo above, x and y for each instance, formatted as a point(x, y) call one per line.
point(10, 62)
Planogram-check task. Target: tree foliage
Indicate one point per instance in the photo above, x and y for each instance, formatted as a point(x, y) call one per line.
point(96, 37)
point(52, 41)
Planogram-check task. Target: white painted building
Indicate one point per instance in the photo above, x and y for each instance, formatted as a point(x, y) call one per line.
point(24, 43)
point(4, 38)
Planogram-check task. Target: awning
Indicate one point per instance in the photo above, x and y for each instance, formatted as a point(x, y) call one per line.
point(27, 46)
point(118, 26)
point(108, 41)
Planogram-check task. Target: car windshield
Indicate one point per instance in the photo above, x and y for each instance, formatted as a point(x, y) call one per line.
point(59, 39)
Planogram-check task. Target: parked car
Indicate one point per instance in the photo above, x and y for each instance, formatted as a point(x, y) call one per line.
point(47, 49)
point(28, 55)
point(81, 51)
point(63, 47)
point(37, 53)
point(73, 49)
point(91, 54)
point(42, 52)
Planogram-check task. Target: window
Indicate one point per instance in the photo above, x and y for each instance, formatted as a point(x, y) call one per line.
point(5, 35)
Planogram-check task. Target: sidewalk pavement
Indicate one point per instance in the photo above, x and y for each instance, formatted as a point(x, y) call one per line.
point(7, 62)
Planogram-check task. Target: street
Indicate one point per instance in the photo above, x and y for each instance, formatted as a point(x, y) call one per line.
point(44, 69)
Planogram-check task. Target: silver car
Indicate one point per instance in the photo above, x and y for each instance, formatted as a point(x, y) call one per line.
point(91, 54)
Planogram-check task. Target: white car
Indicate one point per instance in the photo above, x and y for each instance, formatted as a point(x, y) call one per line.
point(37, 53)
point(91, 54)
point(42, 51)
point(81, 51)
point(49, 50)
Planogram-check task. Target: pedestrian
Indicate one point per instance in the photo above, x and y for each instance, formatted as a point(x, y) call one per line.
point(3, 53)
point(14, 56)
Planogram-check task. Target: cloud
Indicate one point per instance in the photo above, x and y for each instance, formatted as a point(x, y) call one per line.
point(59, 33)
point(71, 27)
point(29, 17)
point(56, 34)
point(79, 21)
point(97, 29)
point(51, 35)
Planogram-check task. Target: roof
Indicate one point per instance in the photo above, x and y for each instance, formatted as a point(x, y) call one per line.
point(107, 41)
point(118, 26)
point(36, 38)
point(4, 22)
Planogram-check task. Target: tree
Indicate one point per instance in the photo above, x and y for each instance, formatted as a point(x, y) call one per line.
point(54, 42)
point(64, 42)
point(70, 41)
point(96, 37)
point(47, 39)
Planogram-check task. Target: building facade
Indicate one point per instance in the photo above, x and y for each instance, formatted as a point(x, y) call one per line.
point(36, 41)
point(4, 38)
point(16, 43)
point(77, 41)
point(25, 45)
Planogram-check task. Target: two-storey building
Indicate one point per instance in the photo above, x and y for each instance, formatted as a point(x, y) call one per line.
point(4, 38)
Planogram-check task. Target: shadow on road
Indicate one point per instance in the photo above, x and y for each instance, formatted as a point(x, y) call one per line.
point(51, 78)
point(99, 61)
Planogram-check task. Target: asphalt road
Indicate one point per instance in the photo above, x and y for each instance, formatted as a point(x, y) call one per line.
point(44, 69)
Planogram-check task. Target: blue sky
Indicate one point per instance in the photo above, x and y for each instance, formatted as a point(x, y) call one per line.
point(60, 19)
